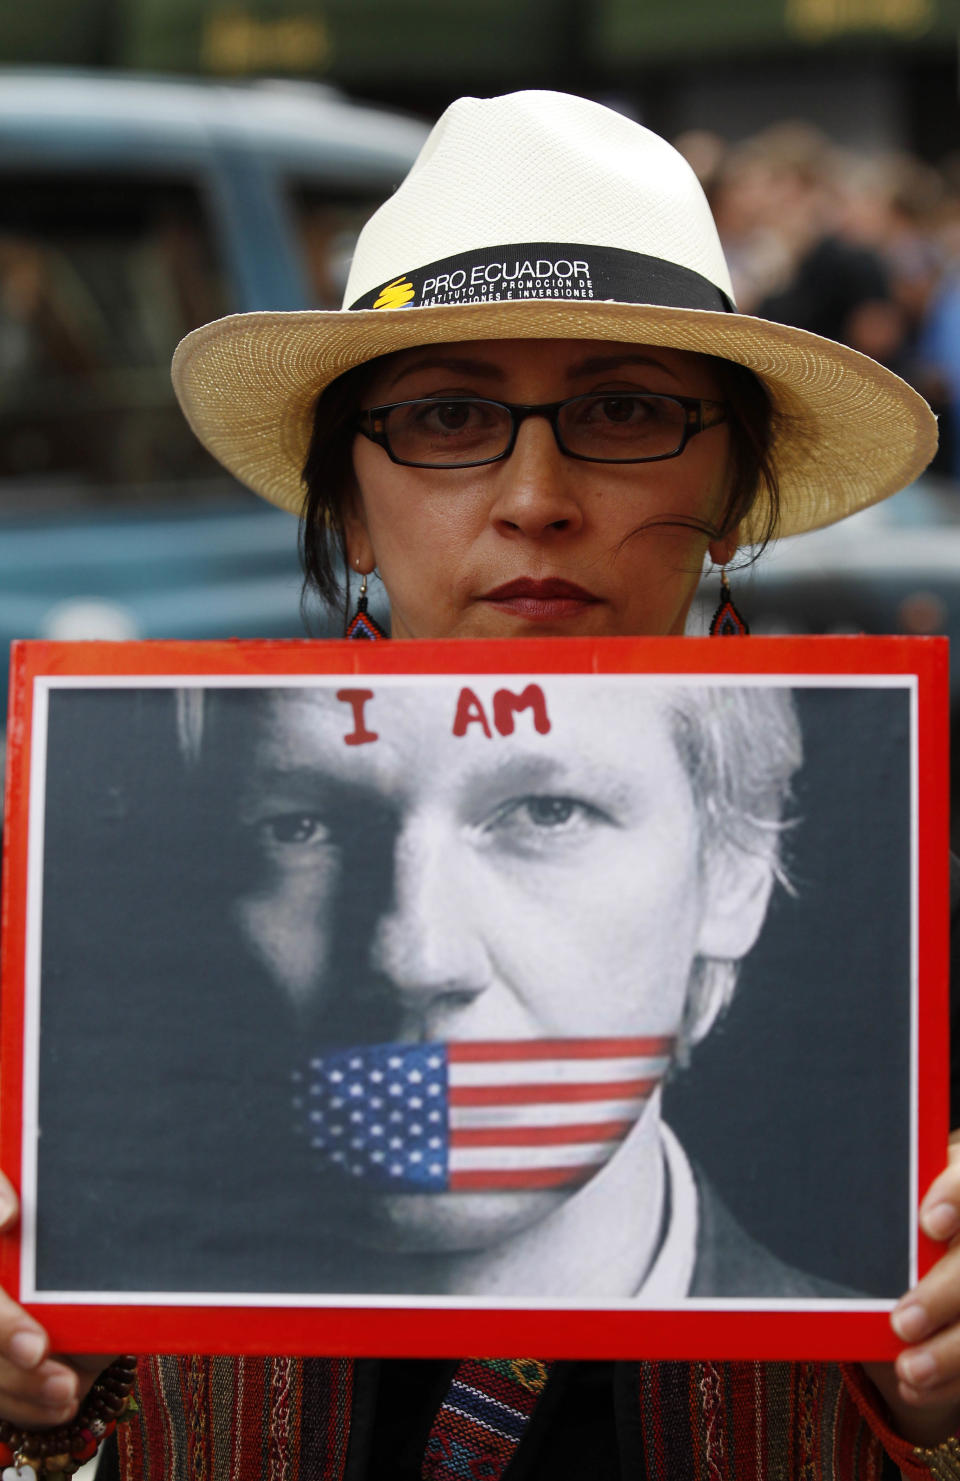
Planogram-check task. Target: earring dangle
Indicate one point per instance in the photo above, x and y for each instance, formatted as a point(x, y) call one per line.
point(362, 626)
point(727, 622)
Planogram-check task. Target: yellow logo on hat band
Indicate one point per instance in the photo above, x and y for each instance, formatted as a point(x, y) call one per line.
point(395, 295)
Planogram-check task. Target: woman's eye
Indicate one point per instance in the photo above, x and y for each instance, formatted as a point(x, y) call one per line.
point(452, 416)
point(622, 408)
point(293, 828)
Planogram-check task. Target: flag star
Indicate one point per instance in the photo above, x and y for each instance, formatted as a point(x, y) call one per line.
point(395, 1089)
point(318, 1143)
point(297, 1102)
point(337, 1156)
point(376, 1076)
point(436, 1169)
point(296, 1076)
point(376, 1129)
point(315, 1064)
point(355, 1090)
point(356, 1116)
point(434, 1062)
point(377, 1156)
point(316, 1115)
point(434, 1116)
point(336, 1101)
point(355, 1063)
point(433, 1089)
point(356, 1143)
point(336, 1131)
point(396, 1142)
point(376, 1102)
point(357, 1169)
point(415, 1102)
point(395, 1170)
point(395, 1062)
point(335, 1076)
point(414, 1077)
point(434, 1142)
point(415, 1156)
point(416, 1129)
point(395, 1116)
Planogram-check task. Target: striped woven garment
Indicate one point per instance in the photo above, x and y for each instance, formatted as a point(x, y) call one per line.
point(483, 1418)
point(288, 1419)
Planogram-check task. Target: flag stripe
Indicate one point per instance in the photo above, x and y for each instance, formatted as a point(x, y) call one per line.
point(492, 1095)
point(527, 1177)
point(581, 1154)
point(532, 1136)
point(548, 1114)
point(462, 1052)
point(554, 1072)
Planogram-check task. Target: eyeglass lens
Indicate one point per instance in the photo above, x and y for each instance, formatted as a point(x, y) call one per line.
point(623, 427)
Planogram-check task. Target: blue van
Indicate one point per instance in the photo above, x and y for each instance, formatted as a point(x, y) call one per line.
point(131, 210)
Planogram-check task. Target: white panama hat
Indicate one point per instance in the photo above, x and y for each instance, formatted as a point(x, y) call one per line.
point(544, 216)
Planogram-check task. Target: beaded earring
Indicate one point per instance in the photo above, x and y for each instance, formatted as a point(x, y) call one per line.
point(362, 625)
point(727, 622)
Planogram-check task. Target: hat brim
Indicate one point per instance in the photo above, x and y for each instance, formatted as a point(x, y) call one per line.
point(847, 432)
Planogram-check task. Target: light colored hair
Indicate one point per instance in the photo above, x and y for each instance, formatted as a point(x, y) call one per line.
point(741, 746)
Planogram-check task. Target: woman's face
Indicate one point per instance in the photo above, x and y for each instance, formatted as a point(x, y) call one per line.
point(446, 540)
point(434, 886)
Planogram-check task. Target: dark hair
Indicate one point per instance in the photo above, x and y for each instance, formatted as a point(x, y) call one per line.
point(328, 469)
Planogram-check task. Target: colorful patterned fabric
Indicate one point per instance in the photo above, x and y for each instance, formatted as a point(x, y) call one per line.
point(239, 1419)
point(483, 1418)
point(286, 1419)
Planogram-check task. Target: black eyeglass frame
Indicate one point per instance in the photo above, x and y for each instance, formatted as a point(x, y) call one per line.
point(371, 423)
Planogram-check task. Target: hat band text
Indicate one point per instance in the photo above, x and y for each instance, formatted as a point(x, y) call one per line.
point(548, 271)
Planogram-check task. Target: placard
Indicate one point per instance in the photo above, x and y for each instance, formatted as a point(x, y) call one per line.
point(562, 997)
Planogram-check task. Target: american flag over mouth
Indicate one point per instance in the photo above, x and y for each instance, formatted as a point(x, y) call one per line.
point(476, 1116)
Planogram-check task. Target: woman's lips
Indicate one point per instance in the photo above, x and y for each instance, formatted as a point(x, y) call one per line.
point(540, 601)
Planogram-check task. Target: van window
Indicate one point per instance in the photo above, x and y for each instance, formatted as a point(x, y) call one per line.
point(99, 278)
point(328, 226)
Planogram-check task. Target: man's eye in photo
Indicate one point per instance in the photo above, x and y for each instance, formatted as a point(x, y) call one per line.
point(546, 814)
point(292, 828)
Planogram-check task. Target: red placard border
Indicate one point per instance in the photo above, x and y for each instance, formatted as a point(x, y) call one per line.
point(714, 1329)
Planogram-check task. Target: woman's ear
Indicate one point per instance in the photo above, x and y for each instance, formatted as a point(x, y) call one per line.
point(356, 538)
point(724, 548)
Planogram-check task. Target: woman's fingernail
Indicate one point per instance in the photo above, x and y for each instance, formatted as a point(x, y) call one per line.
point(910, 1322)
point(8, 1205)
point(941, 1221)
point(917, 1368)
point(26, 1349)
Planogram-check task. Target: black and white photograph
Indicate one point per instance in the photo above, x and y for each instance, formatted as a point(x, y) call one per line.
point(577, 990)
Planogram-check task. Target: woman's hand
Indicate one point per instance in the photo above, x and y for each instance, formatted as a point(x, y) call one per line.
point(922, 1388)
point(36, 1389)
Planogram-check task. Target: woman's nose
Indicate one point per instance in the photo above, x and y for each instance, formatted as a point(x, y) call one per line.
point(427, 947)
point(537, 487)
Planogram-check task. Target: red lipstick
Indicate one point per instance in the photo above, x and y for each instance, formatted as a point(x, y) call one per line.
point(540, 601)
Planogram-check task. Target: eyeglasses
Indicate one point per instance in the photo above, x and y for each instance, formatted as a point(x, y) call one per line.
point(604, 427)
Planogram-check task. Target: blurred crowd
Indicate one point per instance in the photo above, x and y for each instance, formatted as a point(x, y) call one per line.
point(862, 248)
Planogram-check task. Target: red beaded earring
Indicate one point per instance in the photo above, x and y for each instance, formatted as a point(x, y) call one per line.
point(362, 625)
point(727, 622)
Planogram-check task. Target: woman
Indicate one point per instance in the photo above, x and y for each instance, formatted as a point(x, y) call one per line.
point(545, 290)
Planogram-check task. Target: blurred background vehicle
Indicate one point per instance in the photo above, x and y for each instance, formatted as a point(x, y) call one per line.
point(133, 210)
